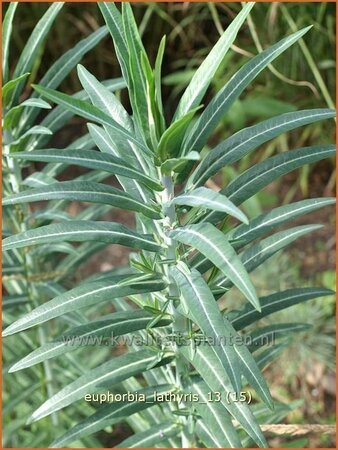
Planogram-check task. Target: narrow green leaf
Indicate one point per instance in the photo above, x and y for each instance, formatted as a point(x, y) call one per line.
point(113, 413)
point(34, 44)
point(273, 303)
point(89, 112)
point(209, 367)
point(199, 301)
point(91, 159)
point(266, 222)
point(262, 174)
point(171, 140)
point(260, 252)
point(103, 98)
point(84, 191)
point(248, 139)
point(105, 289)
point(212, 243)
point(81, 230)
point(215, 416)
point(113, 19)
point(152, 436)
point(7, 26)
point(266, 335)
point(209, 199)
point(117, 369)
point(9, 87)
point(232, 90)
point(204, 74)
point(93, 333)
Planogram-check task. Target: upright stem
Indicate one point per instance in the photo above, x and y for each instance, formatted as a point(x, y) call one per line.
point(180, 323)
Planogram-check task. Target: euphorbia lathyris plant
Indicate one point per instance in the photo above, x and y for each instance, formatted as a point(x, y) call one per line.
point(193, 245)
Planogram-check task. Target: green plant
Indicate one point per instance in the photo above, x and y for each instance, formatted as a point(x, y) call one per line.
point(192, 250)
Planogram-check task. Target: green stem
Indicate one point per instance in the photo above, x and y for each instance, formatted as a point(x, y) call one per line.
point(180, 323)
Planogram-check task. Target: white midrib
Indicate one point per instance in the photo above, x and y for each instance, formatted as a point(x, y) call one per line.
point(89, 333)
point(272, 169)
point(276, 243)
point(102, 194)
point(71, 233)
point(202, 237)
point(277, 218)
point(159, 433)
point(242, 412)
point(243, 80)
point(201, 394)
point(268, 130)
point(221, 205)
point(210, 323)
point(24, 321)
point(267, 305)
point(96, 380)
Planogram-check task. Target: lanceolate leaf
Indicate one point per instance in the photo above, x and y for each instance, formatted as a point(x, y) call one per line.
point(212, 243)
point(209, 367)
point(91, 159)
point(84, 191)
point(215, 416)
point(204, 74)
point(63, 66)
point(6, 35)
point(88, 294)
point(199, 301)
point(113, 413)
point(114, 23)
point(248, 139)
point(171, 140)
point(81, 230)
point(34, 43)
point(117, 369)
point(152, 436)
point(266, 335)
point(206, 198)
point(102, 98)
point(266, 222)
point(260, 175)
point(257, 177)
point(260, 252)
point(231, 91)
point(89, 112)
point(273, 303)
point(110, 326)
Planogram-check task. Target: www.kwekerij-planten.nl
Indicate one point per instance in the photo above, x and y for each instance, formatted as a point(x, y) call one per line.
point(191, 245)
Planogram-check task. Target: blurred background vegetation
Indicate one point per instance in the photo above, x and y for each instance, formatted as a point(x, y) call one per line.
point(302, 78)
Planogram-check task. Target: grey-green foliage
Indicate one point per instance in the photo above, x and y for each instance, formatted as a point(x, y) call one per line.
point(189, 248)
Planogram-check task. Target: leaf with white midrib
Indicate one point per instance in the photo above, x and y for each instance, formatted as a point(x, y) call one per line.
point(84, 191)
point(231, 91)
point(89, 112)
point(117, 369)
point(209, 367)
point(88, 294)
point(212, 243)
point(202, 307)
point(258, 226)
point(204, 74)
point(209, 199)
point(260, 252)
point(112, 325)
point(274, 302)
point(91, 159)
point(248, 139)
point(81, 230)
point(112, 413)
point(215, 416)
